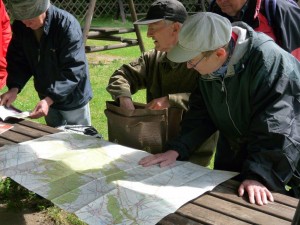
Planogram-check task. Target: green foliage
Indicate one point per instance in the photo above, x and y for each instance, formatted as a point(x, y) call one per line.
point(17, 197)
point(63, 218)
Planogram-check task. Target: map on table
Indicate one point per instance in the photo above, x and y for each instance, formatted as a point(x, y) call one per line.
point(101, 182)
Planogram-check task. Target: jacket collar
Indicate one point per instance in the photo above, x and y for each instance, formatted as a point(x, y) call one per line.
point(49, 15)
point(238, 59)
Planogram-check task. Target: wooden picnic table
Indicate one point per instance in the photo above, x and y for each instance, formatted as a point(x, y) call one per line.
point(220, 206)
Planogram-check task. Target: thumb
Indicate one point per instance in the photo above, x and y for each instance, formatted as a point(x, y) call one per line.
point(241, 190)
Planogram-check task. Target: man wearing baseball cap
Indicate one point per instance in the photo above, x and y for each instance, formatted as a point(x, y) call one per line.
point(167, 84)
point(47, 44)
point(250, 87)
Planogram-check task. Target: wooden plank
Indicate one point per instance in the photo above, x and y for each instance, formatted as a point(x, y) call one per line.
point(12, 136)
point(40, 127)
point(107, 47)
point(238, 211)
point(233, 184)
point(208, 216)
point(4, 141)
point(25, 130)
point(286, 200)
point(28, 131)
point(273, 208)
point(172, 219)
point(296, 219)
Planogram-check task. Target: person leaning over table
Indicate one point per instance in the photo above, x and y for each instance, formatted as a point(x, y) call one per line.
point(167, 84)
point(250, 88)
point(47, 43)
point(5, 36)
point(277, 18)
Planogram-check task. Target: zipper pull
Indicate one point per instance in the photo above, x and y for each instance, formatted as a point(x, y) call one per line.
point(39, 55)
point(223, 85)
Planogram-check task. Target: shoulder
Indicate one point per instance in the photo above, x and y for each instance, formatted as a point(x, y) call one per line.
point(280, 7)
point(62, 18)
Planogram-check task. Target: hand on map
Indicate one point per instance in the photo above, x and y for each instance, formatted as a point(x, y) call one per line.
point(257, 192)
point(163, 159)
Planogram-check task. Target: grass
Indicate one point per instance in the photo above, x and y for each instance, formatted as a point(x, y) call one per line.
point(101, 66)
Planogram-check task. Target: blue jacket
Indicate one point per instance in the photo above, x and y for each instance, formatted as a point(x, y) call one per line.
point(256, 108)
point(58, 63)
point(283, 16)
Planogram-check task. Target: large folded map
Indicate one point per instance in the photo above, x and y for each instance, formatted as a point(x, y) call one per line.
point(101, 182)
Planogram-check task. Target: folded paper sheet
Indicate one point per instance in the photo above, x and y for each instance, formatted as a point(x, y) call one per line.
point(101, 182)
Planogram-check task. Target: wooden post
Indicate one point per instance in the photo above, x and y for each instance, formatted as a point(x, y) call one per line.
point(88, 20)
point(122, 13)
point(137, 30)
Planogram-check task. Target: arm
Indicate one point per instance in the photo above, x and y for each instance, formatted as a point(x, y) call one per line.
point(196, 128)
point(286, 25)
point(132, 77)
point(19, 71)
point(6, 29)
point(273, 146)
point(70, 61)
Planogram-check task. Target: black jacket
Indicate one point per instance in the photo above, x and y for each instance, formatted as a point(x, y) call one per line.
point(256, 108)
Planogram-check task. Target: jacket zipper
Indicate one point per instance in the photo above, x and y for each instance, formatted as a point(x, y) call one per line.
point(223, 89)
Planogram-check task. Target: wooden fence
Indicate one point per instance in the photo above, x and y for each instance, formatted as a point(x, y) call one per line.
point(111, 7)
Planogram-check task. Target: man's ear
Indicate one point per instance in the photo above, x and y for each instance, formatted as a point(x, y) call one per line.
point(221, 52)
point(176, 27)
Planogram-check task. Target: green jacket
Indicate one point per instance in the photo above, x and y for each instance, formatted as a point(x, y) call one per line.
point(256, 108)
point(159, 76)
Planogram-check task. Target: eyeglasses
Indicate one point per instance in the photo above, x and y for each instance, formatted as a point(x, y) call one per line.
point(192, 65)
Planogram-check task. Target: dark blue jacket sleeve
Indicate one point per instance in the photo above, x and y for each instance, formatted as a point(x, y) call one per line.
point(286, 26)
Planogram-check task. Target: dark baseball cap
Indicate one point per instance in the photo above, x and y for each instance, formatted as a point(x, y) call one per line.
point(164, 10)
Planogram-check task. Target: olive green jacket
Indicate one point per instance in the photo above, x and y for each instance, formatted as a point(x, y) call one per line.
point(159, 76)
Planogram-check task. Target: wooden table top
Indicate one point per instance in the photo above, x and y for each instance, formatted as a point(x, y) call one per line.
point(220, 206)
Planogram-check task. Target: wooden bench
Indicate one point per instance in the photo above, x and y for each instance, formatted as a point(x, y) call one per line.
point(108, 34)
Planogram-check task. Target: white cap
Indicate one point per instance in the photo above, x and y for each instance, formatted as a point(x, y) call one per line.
point(201, 32)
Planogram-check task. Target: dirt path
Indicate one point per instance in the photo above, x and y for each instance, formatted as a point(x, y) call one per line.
point(27, 217)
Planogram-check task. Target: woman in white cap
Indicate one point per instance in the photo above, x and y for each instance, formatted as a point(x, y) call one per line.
point(250, 88)
point(47, 44)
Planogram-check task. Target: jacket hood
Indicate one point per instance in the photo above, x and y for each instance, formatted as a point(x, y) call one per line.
point(247, 41)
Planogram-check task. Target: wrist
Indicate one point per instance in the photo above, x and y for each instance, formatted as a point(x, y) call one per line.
point(49, 101)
